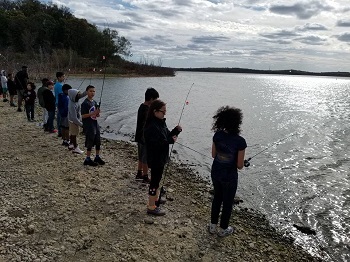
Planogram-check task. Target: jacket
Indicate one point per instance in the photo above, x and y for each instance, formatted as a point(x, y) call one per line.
point(49, 100)
point(74, 107)
point(158, 137)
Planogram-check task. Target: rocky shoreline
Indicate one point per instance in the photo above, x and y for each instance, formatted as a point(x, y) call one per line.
point(55, 209)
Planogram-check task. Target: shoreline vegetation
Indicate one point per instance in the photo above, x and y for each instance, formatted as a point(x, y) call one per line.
point(55, 209)
point(255, 71)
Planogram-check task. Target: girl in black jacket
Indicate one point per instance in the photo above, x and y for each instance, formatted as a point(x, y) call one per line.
point(157, 138)
point(29, 97)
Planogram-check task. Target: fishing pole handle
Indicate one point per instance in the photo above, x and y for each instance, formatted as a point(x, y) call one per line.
point(246, 162)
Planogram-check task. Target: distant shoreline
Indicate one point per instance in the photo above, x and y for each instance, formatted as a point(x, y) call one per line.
point(269, 72)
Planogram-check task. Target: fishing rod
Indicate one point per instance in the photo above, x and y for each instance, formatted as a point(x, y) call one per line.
point(103, 82)
point(247, 161)
point(162, 191)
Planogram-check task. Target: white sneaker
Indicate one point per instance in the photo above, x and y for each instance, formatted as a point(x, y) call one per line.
point(77, 151)
point(71, 147)
point(212, 228)
point(225, 232)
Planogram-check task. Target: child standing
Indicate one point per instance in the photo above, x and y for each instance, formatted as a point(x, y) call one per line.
point(41, 100)
point(50, 105)
point(89, 113)
point(58, 90)
point(142, 169)
point(4, 85)
point(11, 85)
point(228, 151)
point(157, 138)
point(29, 97)
point(74, 119)
point(62, 106)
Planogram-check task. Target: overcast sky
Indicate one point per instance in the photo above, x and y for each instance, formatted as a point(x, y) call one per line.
point(310, 35)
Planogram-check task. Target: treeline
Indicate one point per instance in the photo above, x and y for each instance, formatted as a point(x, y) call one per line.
point(48, 37)
point(254, 71)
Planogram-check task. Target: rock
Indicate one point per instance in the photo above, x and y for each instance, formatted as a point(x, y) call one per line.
point(305, 229)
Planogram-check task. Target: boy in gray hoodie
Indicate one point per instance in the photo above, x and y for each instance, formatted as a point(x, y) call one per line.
point(74, 118)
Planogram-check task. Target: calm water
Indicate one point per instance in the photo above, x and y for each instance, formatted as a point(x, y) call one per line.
point(302, 122)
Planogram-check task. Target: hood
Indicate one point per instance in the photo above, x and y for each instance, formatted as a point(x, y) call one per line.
point(72, 93)
point(3, 72)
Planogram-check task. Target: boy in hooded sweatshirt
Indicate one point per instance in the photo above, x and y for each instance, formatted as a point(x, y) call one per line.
point(63, 101)
point(74, 118)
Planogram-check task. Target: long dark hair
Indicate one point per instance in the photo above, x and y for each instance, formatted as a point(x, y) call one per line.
point(228, 119)
point(155, 106)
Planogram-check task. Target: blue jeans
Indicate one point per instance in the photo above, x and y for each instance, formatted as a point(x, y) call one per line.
point(50, 120)
point(59, 123)
point(224, 194)
point(29, 111)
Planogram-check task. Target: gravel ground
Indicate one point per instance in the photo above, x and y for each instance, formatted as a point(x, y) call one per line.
point(55, 209)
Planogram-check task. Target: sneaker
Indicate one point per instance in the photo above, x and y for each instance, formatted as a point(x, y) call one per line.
point(19, 110)
point(156, 212)
point(225, 232)
point(145, 179)
point(53, 131)
point(65, 143)
point(59, 135)
point(71, 147)
point(139, 176)
point(78, 151)
point(89, 162)
point(33, 120)
point(212, 228)
point(5, 100)
point(99, 161)
point(12, 104)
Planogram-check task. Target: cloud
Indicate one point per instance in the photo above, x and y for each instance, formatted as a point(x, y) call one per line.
point(209, 39)
point(312, 40)
point(343, 23)
point(156, 40)
point(312, 27)
point(344, 37)
point(302, 10)
point(281, 34)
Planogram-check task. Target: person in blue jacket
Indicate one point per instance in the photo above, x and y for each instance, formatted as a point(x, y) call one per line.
point(62, 106)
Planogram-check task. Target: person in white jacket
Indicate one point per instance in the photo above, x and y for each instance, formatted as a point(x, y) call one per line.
point(4, 85)
point(74, 119)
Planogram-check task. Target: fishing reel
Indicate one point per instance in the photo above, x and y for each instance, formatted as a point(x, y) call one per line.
point(246, 162)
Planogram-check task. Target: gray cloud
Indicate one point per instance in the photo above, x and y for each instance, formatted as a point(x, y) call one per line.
point(343, 23)
point(120, 25)
point(312, 40)
point(156, 40)
point(302, 10)
point(344, 37)
point(209, 39)
point(312, 27)
point(280, 34)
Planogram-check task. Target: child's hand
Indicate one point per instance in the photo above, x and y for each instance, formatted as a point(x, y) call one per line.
point(174, 138)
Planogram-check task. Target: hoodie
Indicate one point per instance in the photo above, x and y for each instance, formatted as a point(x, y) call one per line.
point(74, 106)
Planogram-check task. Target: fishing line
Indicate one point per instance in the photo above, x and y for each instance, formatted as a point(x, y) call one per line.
point(162, 191)
point(247, 163)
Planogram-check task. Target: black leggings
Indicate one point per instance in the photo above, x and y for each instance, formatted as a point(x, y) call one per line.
point(156, 176)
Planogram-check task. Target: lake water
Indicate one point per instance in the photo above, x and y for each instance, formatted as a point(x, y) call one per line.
point(297, 130)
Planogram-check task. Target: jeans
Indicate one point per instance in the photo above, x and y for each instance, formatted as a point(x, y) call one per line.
point(50, 120)
point(59, 123)
point(29, 111)
point(224, 195)
point(45, 115)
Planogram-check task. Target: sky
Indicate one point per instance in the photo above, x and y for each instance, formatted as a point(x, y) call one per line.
point(308, 35)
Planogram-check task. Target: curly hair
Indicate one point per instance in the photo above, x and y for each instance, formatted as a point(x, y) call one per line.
point(228, 119)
